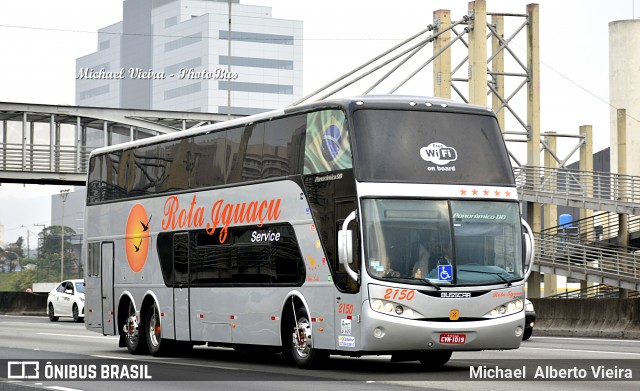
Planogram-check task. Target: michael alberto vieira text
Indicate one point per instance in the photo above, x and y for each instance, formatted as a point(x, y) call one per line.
point(548, 372)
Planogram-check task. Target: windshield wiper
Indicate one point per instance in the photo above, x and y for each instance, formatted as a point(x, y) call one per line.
point(494, 273)
point(413, 281)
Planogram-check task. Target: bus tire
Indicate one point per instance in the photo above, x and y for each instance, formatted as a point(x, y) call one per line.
point(153, 333)
point(135, 342)
point(435, 358)
point(527, 334)
point(301, 342)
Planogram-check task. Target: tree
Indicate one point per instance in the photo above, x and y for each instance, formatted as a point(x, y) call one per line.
point(49, 249)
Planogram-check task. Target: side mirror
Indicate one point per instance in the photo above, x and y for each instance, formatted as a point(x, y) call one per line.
point(345, 246)
point(529, 251)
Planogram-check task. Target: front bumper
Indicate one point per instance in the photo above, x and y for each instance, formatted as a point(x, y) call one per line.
point(399, 334)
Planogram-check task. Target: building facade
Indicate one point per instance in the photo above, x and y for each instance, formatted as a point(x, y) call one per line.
point(174, 55)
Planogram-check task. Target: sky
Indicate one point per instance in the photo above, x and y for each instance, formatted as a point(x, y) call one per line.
point(40, 40)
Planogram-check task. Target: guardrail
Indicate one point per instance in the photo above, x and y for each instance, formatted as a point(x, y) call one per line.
point(588, 262)
point(597, 228)
point(41, 158)
point(586, 189)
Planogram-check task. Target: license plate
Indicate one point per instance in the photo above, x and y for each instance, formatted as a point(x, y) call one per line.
point(453, 339)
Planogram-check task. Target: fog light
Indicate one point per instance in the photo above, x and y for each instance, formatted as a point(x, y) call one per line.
point(518, 331)
point(378, 332)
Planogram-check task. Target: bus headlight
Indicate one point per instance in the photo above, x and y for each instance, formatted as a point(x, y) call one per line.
point(391, 308)
point(509, 308)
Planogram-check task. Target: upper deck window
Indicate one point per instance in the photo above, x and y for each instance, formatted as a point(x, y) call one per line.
point(327, 146)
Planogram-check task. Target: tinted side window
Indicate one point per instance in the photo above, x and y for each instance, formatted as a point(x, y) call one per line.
point(178, 165)
point(181, 258)
point(148, 167)
point(94, 182)
point(251, 255)
point(251, 152)
point(283, 146)
point(233, 169)
point(208, 159)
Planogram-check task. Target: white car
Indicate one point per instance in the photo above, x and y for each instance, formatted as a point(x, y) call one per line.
point(67, 299)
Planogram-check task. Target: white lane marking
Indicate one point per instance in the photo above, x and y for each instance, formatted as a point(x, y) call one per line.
point(172, 363)
point(585, 351)
point(61, 388)
point(621, 341)
point(80, 336)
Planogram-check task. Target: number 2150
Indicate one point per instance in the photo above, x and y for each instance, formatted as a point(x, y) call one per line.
point(399, 294)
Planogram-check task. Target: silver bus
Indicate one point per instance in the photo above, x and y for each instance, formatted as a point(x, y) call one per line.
point(374, 225)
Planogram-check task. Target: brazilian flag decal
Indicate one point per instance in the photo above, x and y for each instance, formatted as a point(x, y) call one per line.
point(327, 143)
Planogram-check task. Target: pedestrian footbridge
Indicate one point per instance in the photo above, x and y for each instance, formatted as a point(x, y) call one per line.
point(591, 249)
point(50, 144)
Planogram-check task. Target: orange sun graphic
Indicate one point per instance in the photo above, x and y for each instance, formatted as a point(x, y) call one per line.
point(137, 237)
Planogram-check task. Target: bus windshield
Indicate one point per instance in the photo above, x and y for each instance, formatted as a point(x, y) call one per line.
point(443, 243)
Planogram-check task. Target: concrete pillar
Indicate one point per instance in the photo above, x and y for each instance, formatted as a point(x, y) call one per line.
point(478, 53)
point(586, 164)
point(550, 213)
point(623, 219)
point(442, 63)
point(624, 89)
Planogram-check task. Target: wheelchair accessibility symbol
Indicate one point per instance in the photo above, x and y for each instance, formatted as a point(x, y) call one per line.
point(445, 272)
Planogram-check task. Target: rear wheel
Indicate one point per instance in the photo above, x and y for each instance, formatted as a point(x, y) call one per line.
point(132, 338)
point(435, 359)
point(51, 313)
point(301, 347)
point(153, 333)
point(527, 334)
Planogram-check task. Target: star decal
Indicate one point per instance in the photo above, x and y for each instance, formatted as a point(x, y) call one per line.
point(486, 192)
point(474, 192)
point(463, 192)
point(497, 192)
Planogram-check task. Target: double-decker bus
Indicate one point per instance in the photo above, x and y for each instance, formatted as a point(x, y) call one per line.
point(372, 225)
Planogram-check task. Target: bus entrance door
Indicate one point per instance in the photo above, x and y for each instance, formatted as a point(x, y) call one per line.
point(182, 322)
point(106, 258)
point(348, 303)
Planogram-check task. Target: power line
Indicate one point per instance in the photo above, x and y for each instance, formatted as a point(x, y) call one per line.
point(184, 36)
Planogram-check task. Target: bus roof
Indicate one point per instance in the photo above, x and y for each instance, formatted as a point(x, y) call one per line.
point(388, 102)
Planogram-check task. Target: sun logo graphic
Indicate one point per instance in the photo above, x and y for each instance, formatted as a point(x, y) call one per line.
point(137, 237)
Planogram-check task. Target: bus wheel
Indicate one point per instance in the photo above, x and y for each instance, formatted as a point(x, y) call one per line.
point(434, 359)
point(131, 331)
point(304, 355)
point(153, 333)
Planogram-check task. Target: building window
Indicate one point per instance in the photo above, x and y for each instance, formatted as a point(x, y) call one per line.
point(257, 37)
point(181, 91)
point(256, 87)
point(256, 62)
point(182, 42)
point(94, 92)
point(236, 110)
point(172, 21)
point(193, 63)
